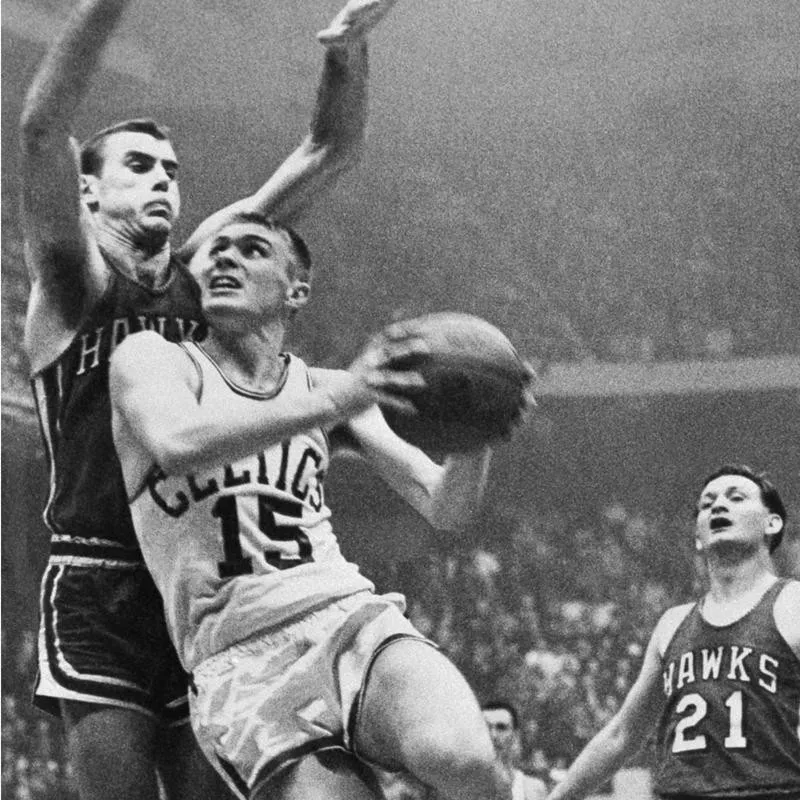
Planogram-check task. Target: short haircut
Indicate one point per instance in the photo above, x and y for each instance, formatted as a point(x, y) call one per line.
point(503, 705)
point(769, 494)
point(297, 245)
point(92, 155)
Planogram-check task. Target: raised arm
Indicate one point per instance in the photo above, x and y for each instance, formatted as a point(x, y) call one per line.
point(59, 250)
point(622, 736)
point(335, 139)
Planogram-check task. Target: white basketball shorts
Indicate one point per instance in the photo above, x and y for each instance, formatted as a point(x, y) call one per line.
point(277, 697)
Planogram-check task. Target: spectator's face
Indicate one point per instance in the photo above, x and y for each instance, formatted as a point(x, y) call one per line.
point(502, 732)
point(731, 514)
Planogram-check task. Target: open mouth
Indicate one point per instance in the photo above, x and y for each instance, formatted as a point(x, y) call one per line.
point(719, 523)
point(224, 282)
point(159, 209)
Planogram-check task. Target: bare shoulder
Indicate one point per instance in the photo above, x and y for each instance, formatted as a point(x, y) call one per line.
point(143, 344)
point(787, 619)
point(150, 353)
point(669, 623)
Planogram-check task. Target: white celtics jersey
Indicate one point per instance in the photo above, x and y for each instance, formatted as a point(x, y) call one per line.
point(241, 548)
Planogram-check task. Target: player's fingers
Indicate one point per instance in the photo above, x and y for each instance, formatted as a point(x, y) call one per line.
point(356, 19)
point(408, 349)
point(530, 372)
point(393, 380)
point(396, 403)
point(399, 330)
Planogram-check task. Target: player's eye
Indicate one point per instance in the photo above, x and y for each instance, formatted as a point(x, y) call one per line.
point(218, 246)
point(171, 170)
point(254, 250)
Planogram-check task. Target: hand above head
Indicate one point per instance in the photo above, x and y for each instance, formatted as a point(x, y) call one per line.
point(354, 21)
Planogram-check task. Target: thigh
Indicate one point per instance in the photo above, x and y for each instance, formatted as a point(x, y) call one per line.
point(112, 751)
point(186, 772)
point(416, 704)
point(328, 775)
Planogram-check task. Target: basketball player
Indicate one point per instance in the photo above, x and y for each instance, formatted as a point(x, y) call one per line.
point(503, 722)
point(721, 677)
point(101, 267)
point(298, 667)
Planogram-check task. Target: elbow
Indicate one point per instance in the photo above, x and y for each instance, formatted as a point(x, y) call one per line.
point(350, 152)
point(620, 741)
point(37, 132)
point(32, 130)
point(452, 518)
point(339, 155)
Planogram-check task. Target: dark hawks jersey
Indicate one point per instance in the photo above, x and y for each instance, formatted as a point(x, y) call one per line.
point(730, 724)
point(87, 508)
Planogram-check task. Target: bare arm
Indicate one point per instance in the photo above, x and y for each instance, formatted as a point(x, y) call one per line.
point(59, 249)
point(622, 736)
point(786, 617)
point(334, 142)
point(182, 436)
point(447, 495)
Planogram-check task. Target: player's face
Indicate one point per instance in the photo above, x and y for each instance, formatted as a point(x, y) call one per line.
point(245, 271)
point(501, 731)
point(137, 189)
point(730, 512)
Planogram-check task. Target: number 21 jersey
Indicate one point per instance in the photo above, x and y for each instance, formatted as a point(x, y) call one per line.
point(242, 548)
point(730, 724)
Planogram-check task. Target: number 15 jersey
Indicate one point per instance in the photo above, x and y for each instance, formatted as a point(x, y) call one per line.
point(730, 726)
point(245, 547)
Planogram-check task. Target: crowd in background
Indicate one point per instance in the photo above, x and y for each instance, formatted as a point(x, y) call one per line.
point(550, 613)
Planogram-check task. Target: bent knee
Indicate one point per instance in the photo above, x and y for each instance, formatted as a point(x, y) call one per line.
point(453, 755)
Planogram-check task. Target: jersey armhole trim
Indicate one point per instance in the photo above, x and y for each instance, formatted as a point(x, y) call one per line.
point(670, 623)
point(187, 347)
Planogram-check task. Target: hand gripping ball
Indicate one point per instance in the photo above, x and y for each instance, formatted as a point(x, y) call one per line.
point(475, 384)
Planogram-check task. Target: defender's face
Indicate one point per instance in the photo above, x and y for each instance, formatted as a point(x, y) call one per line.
point(730, 512)
point(501, 730)
point(137, 187)
point(245, 270)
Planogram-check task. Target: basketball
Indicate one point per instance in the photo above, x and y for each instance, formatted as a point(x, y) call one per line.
point(475, 384)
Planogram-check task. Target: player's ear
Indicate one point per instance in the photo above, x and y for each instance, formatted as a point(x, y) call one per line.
point(88, 189)
point(774, 524)
point(297, 294)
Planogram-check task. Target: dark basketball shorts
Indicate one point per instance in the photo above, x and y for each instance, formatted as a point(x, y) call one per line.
point(103, 640)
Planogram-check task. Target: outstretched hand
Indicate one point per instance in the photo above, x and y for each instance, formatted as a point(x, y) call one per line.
point(354, 21)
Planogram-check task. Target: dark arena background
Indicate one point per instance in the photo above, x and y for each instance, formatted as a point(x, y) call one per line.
point(614, 185)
